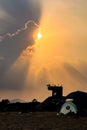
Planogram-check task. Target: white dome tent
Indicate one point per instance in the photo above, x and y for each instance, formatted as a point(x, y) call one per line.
point(68, 107)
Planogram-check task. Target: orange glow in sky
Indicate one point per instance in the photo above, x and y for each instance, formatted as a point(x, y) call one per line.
point(58, 54)
point(61, 48)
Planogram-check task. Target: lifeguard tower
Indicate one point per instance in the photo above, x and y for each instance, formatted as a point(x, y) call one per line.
point(57, 91)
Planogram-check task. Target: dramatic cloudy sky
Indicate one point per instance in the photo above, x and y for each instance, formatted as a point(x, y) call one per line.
point(59, 57)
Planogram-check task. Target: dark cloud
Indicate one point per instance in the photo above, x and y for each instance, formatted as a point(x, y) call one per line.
point(14, 79)
point(21, 11)
point(11, 47)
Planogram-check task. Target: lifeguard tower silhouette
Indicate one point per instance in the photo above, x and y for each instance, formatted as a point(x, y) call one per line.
point(57, 91)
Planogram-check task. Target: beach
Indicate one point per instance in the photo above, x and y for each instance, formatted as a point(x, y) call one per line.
point(41, 121)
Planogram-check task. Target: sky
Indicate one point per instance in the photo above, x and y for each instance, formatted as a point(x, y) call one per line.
point(27, 63)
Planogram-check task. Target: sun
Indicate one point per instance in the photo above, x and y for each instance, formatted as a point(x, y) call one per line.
point(39, 35)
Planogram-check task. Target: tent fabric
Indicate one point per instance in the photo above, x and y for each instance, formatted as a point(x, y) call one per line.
point(68, 107)
point(77, 94)
point(79, 99)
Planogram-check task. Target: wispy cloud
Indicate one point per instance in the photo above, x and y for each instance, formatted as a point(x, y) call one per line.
point(2, 37)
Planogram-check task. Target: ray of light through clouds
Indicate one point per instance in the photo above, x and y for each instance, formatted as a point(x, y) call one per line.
point(62, 52)
point(28, 62)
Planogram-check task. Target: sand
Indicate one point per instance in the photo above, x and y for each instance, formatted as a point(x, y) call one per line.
point(41, 121)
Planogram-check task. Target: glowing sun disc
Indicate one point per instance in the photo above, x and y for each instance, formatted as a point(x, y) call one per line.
point(39, 35)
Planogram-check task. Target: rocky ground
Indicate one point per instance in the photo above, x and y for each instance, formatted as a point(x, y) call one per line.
point(41, 121)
